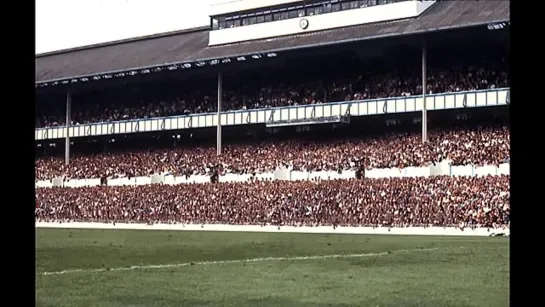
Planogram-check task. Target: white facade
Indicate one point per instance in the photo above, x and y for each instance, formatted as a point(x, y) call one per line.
point(379, 13)
point(232, 6)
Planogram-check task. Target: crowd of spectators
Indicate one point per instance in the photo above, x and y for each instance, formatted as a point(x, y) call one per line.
point(463, 146)
point(397, 202)
point(137, 103)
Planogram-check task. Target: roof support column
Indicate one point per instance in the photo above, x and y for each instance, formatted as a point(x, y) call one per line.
point(424, 106)
point(68, 122)
point(220, 98)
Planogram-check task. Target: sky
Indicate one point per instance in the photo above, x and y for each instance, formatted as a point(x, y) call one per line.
point(62, 24)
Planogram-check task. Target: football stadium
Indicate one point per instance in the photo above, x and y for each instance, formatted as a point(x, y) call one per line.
point(290, 153)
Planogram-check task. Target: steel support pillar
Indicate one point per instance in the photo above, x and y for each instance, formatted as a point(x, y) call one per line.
point(68, 122)
point(220, 98)
point(424, 105)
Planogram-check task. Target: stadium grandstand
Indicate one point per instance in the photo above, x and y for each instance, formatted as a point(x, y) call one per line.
point(291, 153)
point(380, 113)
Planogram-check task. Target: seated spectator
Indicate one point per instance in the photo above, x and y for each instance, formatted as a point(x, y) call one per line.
point(398, 202)
point(479, 146)
point(293, 90)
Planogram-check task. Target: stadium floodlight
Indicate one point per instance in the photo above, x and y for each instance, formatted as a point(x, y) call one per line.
point(107, 76)
point(200, 64)
point(132, 73)
point(271, 55)
point(225, 61)
point(64, 82)
point(96, 77)
point(496, 26)
point(214, 62)
point(74, 81)
point(84, 79)
point(157, 69)
point(187, 65)
point(55, 83)
point(241, 58)
point(256, 56)
point(121, 74)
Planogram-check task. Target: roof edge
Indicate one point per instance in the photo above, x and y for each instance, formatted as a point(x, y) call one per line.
point(124, 41)
point(380, 36)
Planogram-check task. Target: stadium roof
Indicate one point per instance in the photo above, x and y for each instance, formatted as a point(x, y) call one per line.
point(191, 45)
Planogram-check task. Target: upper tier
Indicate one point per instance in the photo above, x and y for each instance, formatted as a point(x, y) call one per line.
point(358, 75)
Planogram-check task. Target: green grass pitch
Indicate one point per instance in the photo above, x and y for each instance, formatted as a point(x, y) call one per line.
point(403, 271)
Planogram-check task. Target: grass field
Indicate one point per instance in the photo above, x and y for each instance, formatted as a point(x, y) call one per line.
point(378, 270)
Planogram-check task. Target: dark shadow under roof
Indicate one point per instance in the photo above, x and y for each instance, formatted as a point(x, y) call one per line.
point(192, 45)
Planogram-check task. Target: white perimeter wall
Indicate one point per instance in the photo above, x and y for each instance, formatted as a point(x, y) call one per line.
point(429, 231)
point(231, 6)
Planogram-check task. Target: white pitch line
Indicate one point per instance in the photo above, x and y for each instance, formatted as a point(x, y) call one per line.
point(178, 265)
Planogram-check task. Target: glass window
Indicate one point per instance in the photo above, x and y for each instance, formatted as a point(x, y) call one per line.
point(229, 24)
point(335, 7)
point(284, 15)
point(246, 21)
point(268, 17)
point(215, 24)
point(237, 22)
point(310, 11)
point(301, 13)
point(327, 8)
point(318, 10)
point(260, 19)
point(345, 6)
point(380, 2)
point(221, 22)
point(354, 4)
point(277, 16)
point(292, 13)
point(253, 20)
